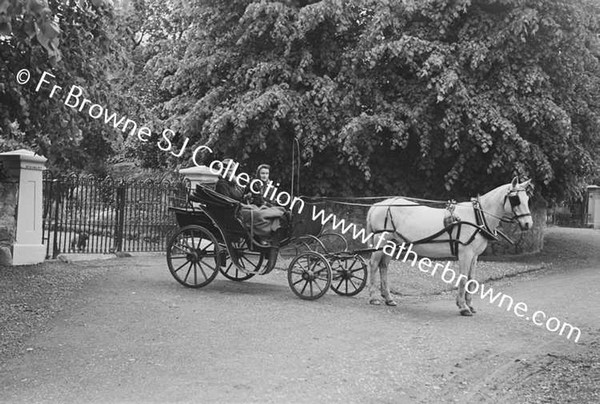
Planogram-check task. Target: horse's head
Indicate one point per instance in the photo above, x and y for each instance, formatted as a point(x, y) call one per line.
point(516, 202)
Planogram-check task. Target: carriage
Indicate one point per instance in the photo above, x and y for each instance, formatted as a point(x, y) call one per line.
point(212, 238)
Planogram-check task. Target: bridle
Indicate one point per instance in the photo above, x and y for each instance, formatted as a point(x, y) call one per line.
point(515, 200)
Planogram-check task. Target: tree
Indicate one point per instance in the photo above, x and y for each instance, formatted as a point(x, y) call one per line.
point(88, 53)
point(431, 99)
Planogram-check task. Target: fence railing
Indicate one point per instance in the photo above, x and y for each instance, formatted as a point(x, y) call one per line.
point(567, 215)
point(92, 215)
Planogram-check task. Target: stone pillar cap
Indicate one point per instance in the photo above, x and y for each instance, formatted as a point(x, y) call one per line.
point(196, 170)
point(26, 155)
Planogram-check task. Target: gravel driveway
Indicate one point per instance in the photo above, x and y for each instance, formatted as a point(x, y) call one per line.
point(122, 330)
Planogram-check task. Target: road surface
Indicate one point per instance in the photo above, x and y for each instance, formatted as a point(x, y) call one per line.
point(132, 334)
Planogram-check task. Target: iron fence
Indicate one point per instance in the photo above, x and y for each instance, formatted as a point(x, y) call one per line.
point(86, 214)
point(572, 214)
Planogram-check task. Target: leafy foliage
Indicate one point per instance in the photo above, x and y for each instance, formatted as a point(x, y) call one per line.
point(430, 98)
point(435, 98)
point(68, 137)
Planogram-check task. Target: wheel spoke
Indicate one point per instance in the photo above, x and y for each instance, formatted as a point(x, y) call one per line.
point(201, 269)
point(193, 241)
point(189, 236)
point(188, 272)
point(298, 281)
point(184, 248)
point(357, 270)
point(338, 285)
point(248, 260)
point(181, 266)
point(208, 265)
point(355, 287)
point(304, 288)
point(320, 270)
point(205, 248)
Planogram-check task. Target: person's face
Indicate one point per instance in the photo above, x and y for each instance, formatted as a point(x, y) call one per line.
point(263, 174)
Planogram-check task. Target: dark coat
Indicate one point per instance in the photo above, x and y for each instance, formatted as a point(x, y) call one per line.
point(229, 189)
point(257, 198)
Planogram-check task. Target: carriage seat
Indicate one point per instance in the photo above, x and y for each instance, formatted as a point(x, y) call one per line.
point(212, 198)
point(224, 210)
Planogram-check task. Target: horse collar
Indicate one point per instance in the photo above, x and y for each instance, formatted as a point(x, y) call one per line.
point(481, 220)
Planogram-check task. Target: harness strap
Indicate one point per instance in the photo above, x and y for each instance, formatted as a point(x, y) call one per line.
point(482, 223)
point(388, 214)
point(481, 226)
point(454, 245)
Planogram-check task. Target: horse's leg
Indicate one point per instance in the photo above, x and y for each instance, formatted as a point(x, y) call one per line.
point(374, 294)
point(385, 290)
point(468, 295)
point(465, 256)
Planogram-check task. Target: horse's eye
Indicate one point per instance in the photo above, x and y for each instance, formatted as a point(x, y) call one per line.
point(514, 200)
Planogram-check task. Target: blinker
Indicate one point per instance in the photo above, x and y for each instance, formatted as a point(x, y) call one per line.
point(514, 200)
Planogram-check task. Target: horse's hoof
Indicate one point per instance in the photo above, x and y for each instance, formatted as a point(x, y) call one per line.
point(466, 312)
point(375, 302)
point(391, 303)
point(472, 310)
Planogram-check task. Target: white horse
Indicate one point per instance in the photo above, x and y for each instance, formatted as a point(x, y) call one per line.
point(401, 220)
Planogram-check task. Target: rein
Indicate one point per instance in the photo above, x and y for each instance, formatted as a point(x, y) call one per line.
point(345, 200)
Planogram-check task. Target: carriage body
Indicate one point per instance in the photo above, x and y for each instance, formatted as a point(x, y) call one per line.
point(212, 238)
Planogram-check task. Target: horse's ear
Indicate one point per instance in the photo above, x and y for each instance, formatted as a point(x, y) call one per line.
point(515, 182)
point(528, 186)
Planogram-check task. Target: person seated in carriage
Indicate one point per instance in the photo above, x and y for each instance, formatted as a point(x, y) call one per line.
point(265, 221)
point(229, 188)
point(257, 197)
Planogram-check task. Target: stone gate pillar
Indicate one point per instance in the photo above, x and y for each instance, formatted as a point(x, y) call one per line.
point(21, 208)
point(593, 208)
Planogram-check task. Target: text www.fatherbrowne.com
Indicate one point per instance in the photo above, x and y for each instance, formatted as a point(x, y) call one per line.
point(448, 275)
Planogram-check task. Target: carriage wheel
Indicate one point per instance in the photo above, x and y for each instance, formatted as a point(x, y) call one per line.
point(349, 275)
point(193, 256)
point(250, 260)
point(309, 275)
